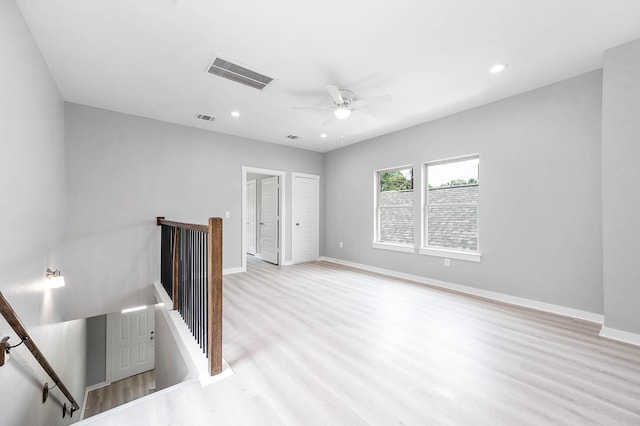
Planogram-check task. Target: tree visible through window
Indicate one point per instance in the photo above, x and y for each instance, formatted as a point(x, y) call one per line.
point(394, 216)
point(451, 206)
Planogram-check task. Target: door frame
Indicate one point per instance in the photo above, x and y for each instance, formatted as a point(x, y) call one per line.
point(281, 206)
point(295, 175)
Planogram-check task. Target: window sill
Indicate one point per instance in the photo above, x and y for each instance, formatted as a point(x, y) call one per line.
point(394, 247)
point(452, 254)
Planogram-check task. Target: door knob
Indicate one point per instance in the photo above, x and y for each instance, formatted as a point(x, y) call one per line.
point(297, 223)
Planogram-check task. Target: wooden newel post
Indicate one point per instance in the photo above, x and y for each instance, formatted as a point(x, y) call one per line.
point(215, 295)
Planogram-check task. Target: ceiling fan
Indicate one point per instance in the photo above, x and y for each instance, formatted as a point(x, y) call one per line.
point(344, 102)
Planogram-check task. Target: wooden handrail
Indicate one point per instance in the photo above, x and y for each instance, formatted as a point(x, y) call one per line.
point(12, 319)
point(161, 221)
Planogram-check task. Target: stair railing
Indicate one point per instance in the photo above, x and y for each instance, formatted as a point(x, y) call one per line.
point(12, 319)
point(191, 273)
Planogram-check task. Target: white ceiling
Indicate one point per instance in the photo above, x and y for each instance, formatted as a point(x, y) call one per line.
point(149, 57)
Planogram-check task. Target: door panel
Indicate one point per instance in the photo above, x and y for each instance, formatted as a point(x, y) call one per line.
point(270, 219)
point(305, 219)
point(130, 343)
point(251, 230)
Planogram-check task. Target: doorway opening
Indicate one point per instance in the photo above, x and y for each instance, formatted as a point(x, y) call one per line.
point(263, 215)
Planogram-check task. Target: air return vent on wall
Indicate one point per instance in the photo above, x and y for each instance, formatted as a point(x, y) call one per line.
point(239, 74)
point(205, 117)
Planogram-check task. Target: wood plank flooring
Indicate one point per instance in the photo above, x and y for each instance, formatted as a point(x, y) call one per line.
point(319, 344)
point(120, 392)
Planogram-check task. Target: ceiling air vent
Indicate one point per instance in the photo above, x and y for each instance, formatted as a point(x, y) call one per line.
point(205, 117)
point(239, 74)
point(293, 137)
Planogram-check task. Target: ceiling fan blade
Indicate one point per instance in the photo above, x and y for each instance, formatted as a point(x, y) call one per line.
point(329, 120)
point(368, 116)
point(371, 101)
point(314, 107)
point(335, 94)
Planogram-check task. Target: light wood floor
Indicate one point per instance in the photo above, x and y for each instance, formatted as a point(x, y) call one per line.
point(325, 344)
point(120, 392)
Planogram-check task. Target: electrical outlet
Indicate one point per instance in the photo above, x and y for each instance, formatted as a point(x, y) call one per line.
point(340, 244)
point(227, 215)
point(447, 262)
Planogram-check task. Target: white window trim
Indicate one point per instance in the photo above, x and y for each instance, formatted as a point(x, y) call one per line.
point(406, 248)
point(471, 256)
point(385, 245)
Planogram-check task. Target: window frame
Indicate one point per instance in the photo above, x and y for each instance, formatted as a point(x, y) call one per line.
point(438, 251)
point(388, 245)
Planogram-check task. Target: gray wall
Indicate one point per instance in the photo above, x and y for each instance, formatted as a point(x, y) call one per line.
point(123, 171)
point(33, 207)
point(96, 349)
point(540, 214)
point(31, 171)
point(170, 367)
point(620, 199)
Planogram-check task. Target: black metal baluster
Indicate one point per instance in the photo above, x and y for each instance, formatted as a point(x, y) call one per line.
point(203, 266)
point(199, 320)
point(191, 267)
point(206, 298)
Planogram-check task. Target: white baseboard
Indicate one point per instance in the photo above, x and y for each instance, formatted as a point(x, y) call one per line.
point(97, 386)
point(233, 270)
point(86, 395)
point(619, 335)
point(287, 263)
point(492, 295)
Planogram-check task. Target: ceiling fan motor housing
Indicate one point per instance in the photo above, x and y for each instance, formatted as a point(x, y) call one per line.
point(347, 97)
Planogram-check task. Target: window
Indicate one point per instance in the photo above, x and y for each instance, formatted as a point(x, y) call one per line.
point(451, 208)
point(394, 209)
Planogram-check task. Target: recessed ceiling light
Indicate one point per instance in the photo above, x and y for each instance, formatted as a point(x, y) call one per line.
point(324, 135)
point(234, 114)
point(498, 68)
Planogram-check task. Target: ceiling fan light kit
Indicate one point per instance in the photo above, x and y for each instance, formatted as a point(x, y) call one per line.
point(342, 112)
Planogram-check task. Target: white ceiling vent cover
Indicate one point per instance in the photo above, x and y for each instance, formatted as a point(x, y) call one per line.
point(239, 74)
point(205, 117)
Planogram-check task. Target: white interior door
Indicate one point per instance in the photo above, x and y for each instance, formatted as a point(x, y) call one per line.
point(305, 237)
point(251, 224)
point(130, 343)
point(270, 219)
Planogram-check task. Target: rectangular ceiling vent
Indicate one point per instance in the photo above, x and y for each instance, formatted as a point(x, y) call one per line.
point(205, 117)
point(239, 74)
point(293, 137)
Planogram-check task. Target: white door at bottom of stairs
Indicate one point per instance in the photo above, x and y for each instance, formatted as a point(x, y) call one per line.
point(130, 343)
